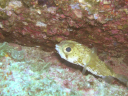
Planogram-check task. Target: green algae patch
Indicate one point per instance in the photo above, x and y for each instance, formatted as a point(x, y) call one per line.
point(4, 3)
point(3, 15)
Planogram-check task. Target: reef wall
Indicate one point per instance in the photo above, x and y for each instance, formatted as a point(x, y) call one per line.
point(95, 23)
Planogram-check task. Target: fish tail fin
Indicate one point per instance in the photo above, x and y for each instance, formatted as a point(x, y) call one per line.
point(122, 78)
point(108, 79)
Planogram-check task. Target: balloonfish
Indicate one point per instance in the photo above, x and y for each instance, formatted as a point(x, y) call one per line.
point(79, 54)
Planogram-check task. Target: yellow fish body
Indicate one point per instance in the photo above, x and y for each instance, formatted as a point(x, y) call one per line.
point(79, 54)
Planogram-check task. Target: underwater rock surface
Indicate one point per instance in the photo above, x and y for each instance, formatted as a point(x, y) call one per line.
point(102, 23)
point(43, 74)
point(95, 23)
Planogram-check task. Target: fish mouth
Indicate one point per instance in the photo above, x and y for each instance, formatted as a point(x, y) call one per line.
point(57, 47)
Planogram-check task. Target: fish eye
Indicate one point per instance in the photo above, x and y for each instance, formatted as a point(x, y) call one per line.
point(68, 49)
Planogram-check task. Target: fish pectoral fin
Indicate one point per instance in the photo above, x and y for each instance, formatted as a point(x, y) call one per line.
point(85, 62)
point(94, 50)
point(84, 69)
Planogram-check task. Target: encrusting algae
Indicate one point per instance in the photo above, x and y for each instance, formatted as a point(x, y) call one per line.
point(79, 54)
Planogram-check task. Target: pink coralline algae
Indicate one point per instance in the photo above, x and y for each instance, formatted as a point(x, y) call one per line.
point(44, 23)
point(41, 24)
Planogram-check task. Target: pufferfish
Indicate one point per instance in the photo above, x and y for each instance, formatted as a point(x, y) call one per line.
point(79, 54)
